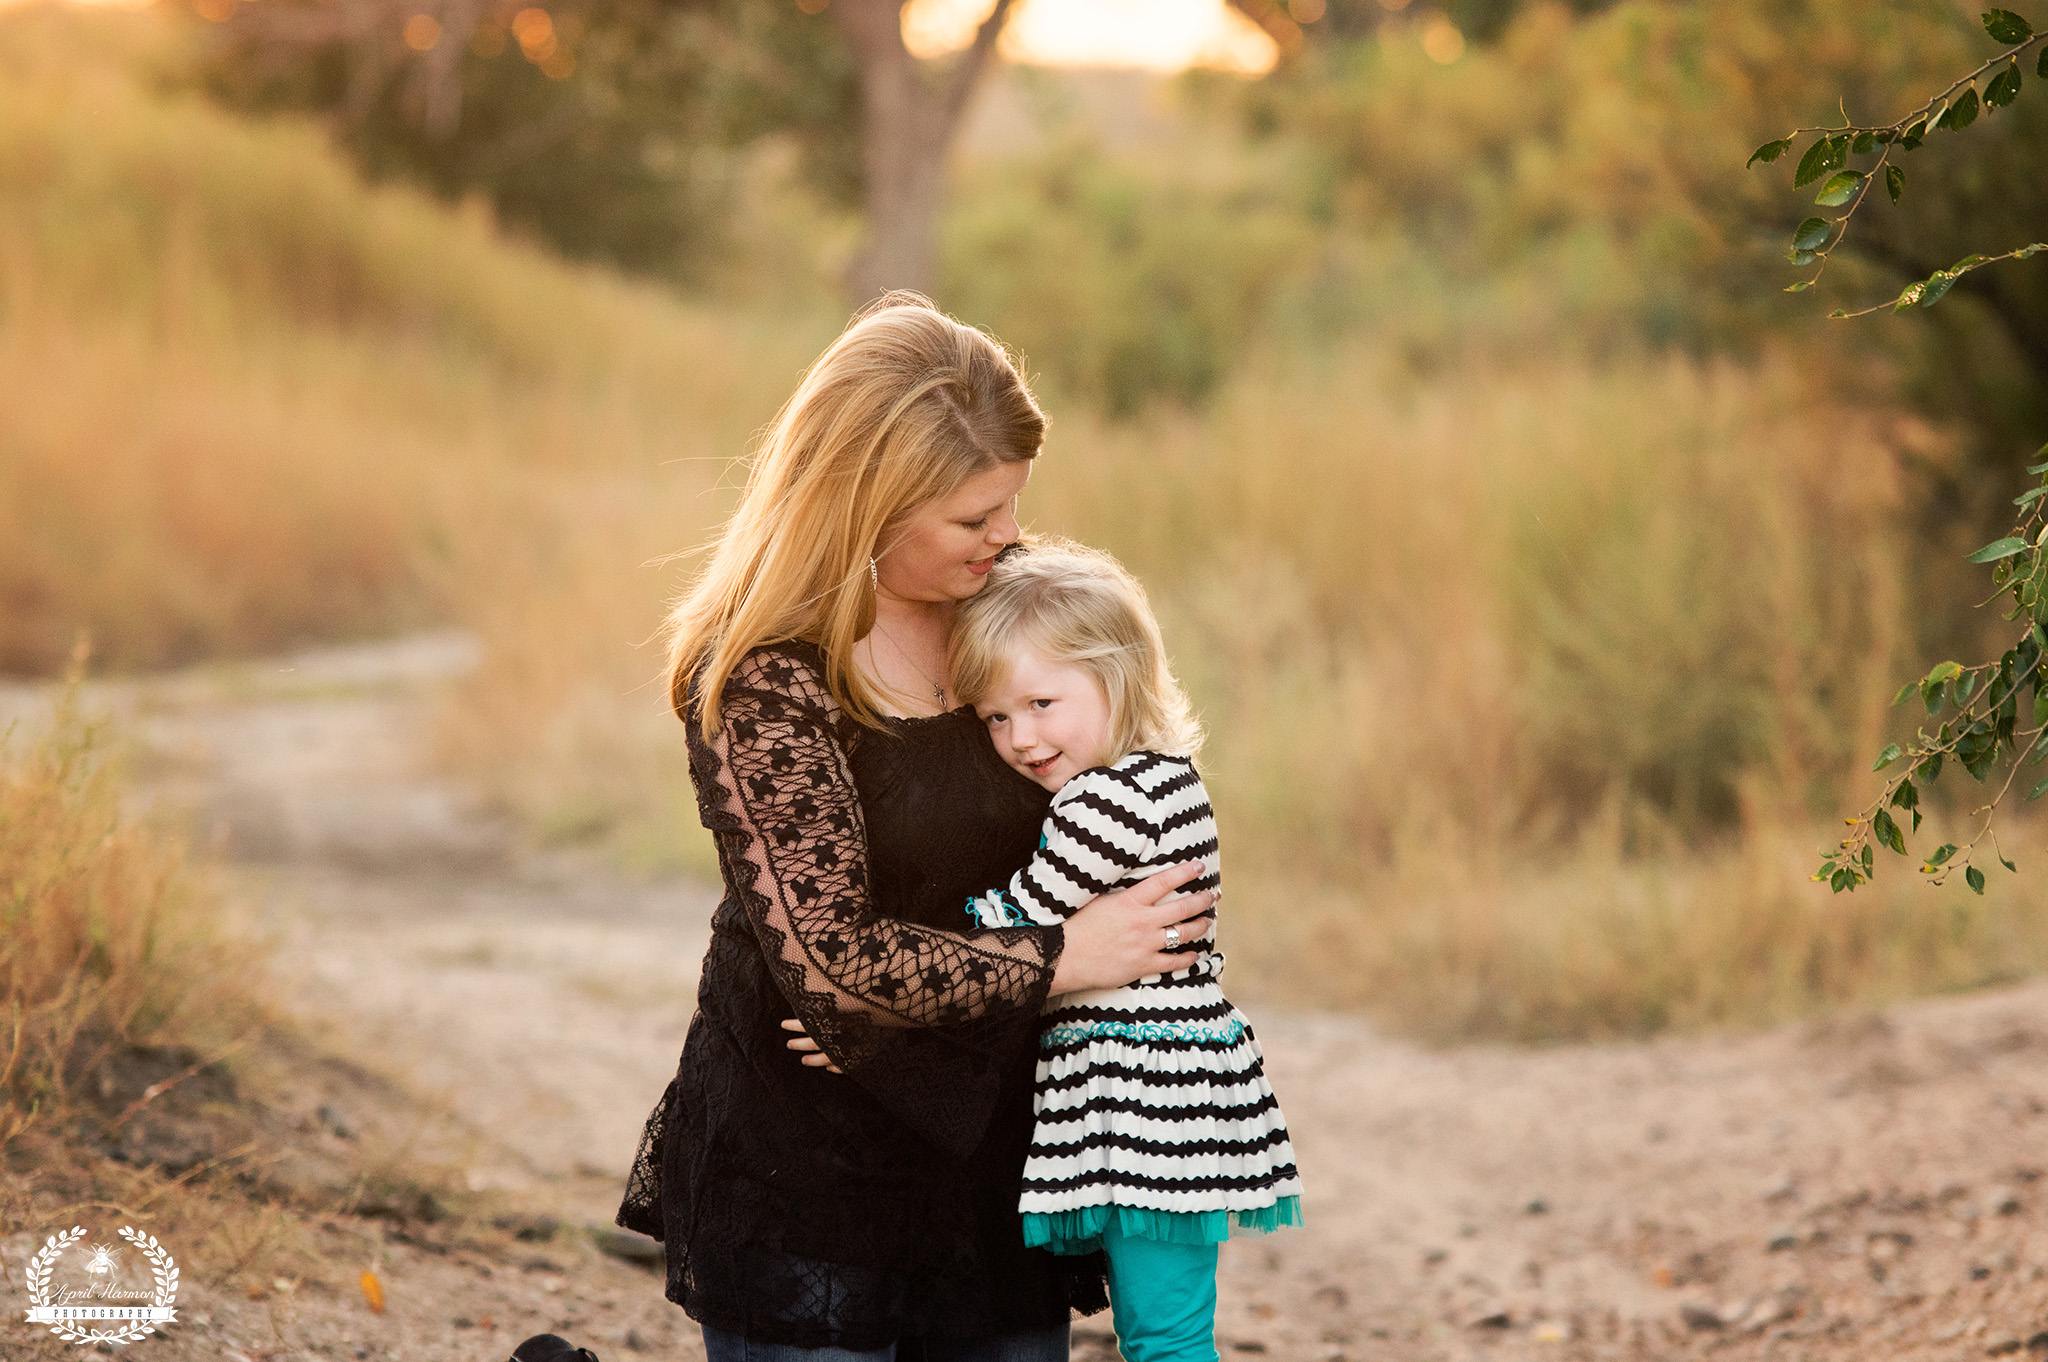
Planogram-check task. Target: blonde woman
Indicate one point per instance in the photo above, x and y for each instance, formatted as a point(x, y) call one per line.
point(863, 1202)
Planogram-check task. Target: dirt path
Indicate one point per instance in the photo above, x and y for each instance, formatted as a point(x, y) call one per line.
point(1865, 1188)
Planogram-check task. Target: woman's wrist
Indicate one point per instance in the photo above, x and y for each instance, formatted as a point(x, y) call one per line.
point(1055, 955)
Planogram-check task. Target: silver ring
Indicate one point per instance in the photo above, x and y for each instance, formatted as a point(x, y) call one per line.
point(1172, 937)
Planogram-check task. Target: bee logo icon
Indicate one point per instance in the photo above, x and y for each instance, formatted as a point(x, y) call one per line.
point(102, 1260)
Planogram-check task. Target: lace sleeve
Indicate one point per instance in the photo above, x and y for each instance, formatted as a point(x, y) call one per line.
point(776, 788)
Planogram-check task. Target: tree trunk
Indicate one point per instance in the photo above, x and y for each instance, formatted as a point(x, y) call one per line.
point(908, 118)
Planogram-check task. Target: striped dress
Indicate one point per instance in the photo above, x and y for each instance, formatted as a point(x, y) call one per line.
point(1152, 1102)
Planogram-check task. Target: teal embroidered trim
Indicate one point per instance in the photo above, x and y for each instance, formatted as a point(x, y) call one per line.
point(1081, 1231)
point(1068, 1033)
point(996, 910)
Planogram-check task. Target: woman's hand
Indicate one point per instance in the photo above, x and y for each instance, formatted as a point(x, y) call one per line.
point(812, 1056)
point(1119, 938)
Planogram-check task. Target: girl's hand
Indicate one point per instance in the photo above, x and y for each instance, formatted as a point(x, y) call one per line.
point(1119, 938)
point(813, 1057)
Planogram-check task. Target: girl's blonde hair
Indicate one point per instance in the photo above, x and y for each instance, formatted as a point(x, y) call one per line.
point(1076, 606)
point(905, 406)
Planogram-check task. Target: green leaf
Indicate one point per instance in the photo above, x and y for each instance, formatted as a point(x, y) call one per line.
point(1962, 113)
point(1914, 135)
point(1842, 879)
point(2029, 496)
point(1840, 188)
point(1975, 877)
point(1908, 296)
point(1968, 262)
point(2006, 27)
point(1937, 287)
point(2004, 88)
point(1819, 159)
point(2007, 864)
point(1768, 152)
point(2041, 66)
point(1941, 854)
point(2034, 248)
point(1885, 758)
point(1865, 140)
point(1905, 797)
point(1991, 553)
point(1798, 257)
point(1809, 235)
point(1888, 833)
point(1802, 286)
point(1894, 182)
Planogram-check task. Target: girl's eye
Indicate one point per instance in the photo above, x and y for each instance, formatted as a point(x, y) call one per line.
point(1041, 704)
point(995, 719)
point(980, 524)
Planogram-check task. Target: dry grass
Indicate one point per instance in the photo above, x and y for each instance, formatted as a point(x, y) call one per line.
point(108, 937)
point(250, 401)
point(1530, 691)
point(1530, 678)
point(145, 1077)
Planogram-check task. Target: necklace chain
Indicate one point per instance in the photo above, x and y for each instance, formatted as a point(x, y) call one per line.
point(938, 691)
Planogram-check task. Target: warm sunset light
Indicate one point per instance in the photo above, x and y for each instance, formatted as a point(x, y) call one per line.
point(1154, 35)
point(1159, 35)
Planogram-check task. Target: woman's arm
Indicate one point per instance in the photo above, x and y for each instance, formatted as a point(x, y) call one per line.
point(778, 792)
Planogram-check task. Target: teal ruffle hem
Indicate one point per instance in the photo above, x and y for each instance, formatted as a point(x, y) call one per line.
point(1078, 1232)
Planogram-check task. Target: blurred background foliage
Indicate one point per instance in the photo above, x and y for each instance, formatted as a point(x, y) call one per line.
point(1542, 571)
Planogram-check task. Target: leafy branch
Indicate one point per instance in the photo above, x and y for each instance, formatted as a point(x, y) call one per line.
point(1984, 725)
point(1815, 238)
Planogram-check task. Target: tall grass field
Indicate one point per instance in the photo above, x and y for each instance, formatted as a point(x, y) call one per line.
point(1534, 674)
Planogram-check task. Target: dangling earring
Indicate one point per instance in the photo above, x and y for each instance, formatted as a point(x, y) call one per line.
point(874, 575)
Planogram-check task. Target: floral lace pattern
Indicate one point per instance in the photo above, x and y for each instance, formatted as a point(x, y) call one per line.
point(791, 837)
point(818, 1210)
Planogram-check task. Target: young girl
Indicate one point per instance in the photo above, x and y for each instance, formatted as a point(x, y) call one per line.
point(1156, 1129)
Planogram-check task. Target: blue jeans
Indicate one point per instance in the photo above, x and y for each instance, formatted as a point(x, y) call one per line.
point(1048, 1345)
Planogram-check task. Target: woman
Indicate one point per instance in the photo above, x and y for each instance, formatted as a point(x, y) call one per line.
point(864, 1201)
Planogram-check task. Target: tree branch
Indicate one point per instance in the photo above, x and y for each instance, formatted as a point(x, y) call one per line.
point(967, 72)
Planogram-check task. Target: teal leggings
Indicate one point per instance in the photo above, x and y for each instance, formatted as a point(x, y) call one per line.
point(1163, 1298)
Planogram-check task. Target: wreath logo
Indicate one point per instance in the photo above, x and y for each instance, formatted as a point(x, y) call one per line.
point(71, 1314)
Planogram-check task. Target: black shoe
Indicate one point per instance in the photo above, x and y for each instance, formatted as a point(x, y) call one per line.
point(551, 1348)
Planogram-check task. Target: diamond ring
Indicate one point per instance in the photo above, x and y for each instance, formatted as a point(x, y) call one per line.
point(1172, 937)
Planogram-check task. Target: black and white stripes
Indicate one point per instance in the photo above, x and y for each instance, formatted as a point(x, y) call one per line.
point(1151, 1096)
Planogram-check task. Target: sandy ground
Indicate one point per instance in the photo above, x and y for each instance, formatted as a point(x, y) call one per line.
point(1864, 1187)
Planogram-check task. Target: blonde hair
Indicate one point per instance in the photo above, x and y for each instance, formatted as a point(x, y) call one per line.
point(904, 407)
point(1078, 607)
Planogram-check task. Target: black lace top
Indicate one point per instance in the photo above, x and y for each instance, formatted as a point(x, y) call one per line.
point(815, 1209)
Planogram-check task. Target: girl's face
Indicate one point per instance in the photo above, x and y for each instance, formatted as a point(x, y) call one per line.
point(943, 549)
point(1048, 719)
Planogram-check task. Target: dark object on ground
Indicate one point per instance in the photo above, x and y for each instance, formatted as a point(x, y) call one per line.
point(629, 1245)
point(551, 1348)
